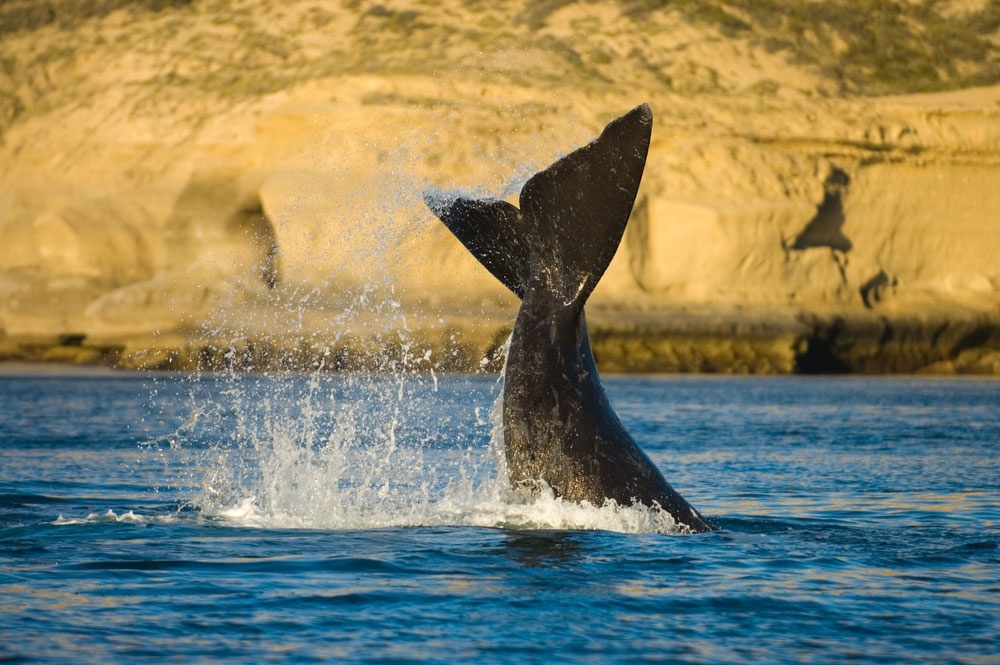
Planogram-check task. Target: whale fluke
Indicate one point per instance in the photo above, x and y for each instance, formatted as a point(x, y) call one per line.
point(559, 427)
point(490, 229)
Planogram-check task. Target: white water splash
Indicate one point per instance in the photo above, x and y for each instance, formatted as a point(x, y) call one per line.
point(398, 447)
point(360, 452)
point(111, 517)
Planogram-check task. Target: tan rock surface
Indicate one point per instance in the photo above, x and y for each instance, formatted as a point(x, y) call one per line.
point(179, 179)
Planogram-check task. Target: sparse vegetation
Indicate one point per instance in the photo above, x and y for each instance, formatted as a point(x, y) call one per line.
point(866, 46)
point(98, 82)
point(245, 50)
point(16, 15)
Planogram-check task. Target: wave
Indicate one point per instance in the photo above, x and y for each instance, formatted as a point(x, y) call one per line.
point(512, 511)
point(111, 517)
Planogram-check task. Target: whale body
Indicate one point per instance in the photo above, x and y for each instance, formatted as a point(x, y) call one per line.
point(558, 425)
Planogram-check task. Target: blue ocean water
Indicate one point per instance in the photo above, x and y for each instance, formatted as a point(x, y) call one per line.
point(365, 520)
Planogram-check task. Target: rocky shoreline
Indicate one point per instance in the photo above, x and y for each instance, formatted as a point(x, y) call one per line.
point(801, 343)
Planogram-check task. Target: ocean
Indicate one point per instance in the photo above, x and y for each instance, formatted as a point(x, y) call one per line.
point(366, 519)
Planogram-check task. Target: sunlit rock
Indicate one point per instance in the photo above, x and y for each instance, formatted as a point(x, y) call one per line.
point(223, 186)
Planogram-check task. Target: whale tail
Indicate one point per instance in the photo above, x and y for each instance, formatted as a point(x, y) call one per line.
point(571, 219)
point(558, 423)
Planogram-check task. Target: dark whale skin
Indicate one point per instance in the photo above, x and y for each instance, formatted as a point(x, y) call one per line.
point(559, 427)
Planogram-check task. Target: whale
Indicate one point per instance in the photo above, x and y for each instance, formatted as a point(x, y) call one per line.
point(559, 428)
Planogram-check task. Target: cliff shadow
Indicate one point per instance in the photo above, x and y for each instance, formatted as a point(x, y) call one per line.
point(826, 228)
point(218, 227)
point(251, 224)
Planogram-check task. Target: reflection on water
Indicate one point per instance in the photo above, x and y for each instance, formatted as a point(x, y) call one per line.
point(542, 549)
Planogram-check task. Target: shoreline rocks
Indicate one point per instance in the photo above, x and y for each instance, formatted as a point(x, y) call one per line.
point(797, 343)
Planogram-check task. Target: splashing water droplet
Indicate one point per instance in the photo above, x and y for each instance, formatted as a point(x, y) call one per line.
point(361, 436)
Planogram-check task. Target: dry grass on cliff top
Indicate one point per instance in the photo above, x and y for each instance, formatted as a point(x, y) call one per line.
point(59, 52)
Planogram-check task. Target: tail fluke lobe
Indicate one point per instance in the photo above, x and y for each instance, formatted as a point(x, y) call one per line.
point(491, 230)
point(572, 215)
point(575, 211)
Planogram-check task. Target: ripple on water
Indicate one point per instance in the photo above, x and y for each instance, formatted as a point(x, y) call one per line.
point(856, 523)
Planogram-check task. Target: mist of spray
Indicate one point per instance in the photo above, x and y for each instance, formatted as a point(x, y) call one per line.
point(394, 445)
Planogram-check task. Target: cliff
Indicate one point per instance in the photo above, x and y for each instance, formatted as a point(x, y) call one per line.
point(208, 184)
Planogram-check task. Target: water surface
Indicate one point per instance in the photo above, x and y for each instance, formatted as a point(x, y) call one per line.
point(364, 520)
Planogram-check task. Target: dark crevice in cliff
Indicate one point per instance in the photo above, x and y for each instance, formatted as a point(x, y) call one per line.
point(71, 339)
point(825, 229)
point(252, 222)
point(819, 352)
point(222, 231)
point(879, 346)
point(978, 336)
point(875, 288)
point(888, 332)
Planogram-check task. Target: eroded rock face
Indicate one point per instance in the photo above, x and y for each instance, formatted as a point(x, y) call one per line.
point(146, 216)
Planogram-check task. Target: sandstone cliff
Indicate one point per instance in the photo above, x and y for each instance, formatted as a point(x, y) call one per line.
point(187, 183)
